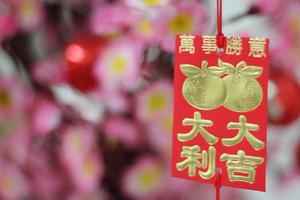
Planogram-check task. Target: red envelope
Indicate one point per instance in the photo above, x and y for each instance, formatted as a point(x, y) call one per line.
point(220, 110)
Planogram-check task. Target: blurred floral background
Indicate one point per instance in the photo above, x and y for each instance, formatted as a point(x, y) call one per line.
point(86, 96)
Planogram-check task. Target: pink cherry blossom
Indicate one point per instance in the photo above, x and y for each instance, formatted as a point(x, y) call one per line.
point(286, 55)
point(80, 158)
point(268, 6)
point(153, 102)
point(114, 101)
point(285, 52)
point(144, 28)
point(46, 181)
point(122, 130)
point(13, 184)
point(95, 195)
point(142, 4)
point(111, 19)
point(8, 23)
point(15, 97)
point(29, 13)
point(15, 145)
point(49, 71)
point(118, 67)
point(81, 2)
point(160, 134)
point(184, 17)
point(12, 125)
point(87, 175)
point(288, 22)
point(77, 142)
point(177, 188)
point(47, 185)
point(46, 116)
point(144, 179)
point(9, 26)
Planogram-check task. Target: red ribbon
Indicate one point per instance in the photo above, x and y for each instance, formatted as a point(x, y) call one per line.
point(220, 35)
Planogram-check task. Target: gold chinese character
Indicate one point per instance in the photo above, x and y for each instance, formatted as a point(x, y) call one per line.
point(234, 46)
point(209, 44)
point(195, 159)
point(241, 167)
point(187, 44)
point(198, 123)
point(257, 47)
point(244, 129)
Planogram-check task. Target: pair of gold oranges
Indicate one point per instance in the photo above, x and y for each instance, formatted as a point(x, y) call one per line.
point(238, 91)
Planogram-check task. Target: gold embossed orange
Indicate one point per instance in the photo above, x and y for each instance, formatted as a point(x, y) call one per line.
point(203, 88)
point(244, 92)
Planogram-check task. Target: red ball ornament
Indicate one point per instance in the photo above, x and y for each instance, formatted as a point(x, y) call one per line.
point(284, 107)
point(81, 54)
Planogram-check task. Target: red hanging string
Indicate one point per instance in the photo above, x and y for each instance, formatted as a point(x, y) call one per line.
point(220, 35)
point(218, 193)
point(218, 183)
point(220, 43)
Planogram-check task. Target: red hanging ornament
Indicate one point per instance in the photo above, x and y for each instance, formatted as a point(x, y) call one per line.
point(81, 54)
point(284, 107)
point(220, 89)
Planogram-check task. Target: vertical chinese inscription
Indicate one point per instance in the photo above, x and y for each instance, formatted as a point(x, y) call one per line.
point(209, 44)
point(241, 167)
point(187, 44)
point(195, 159)
point(234, 46)
point(244, 129)
point(257, 47)
point(198, 127)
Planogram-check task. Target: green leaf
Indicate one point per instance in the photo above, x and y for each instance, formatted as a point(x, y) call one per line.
point(190, 70)
point(230, 69)
point(241, 65)
point(251, 71)
point(217, 71)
